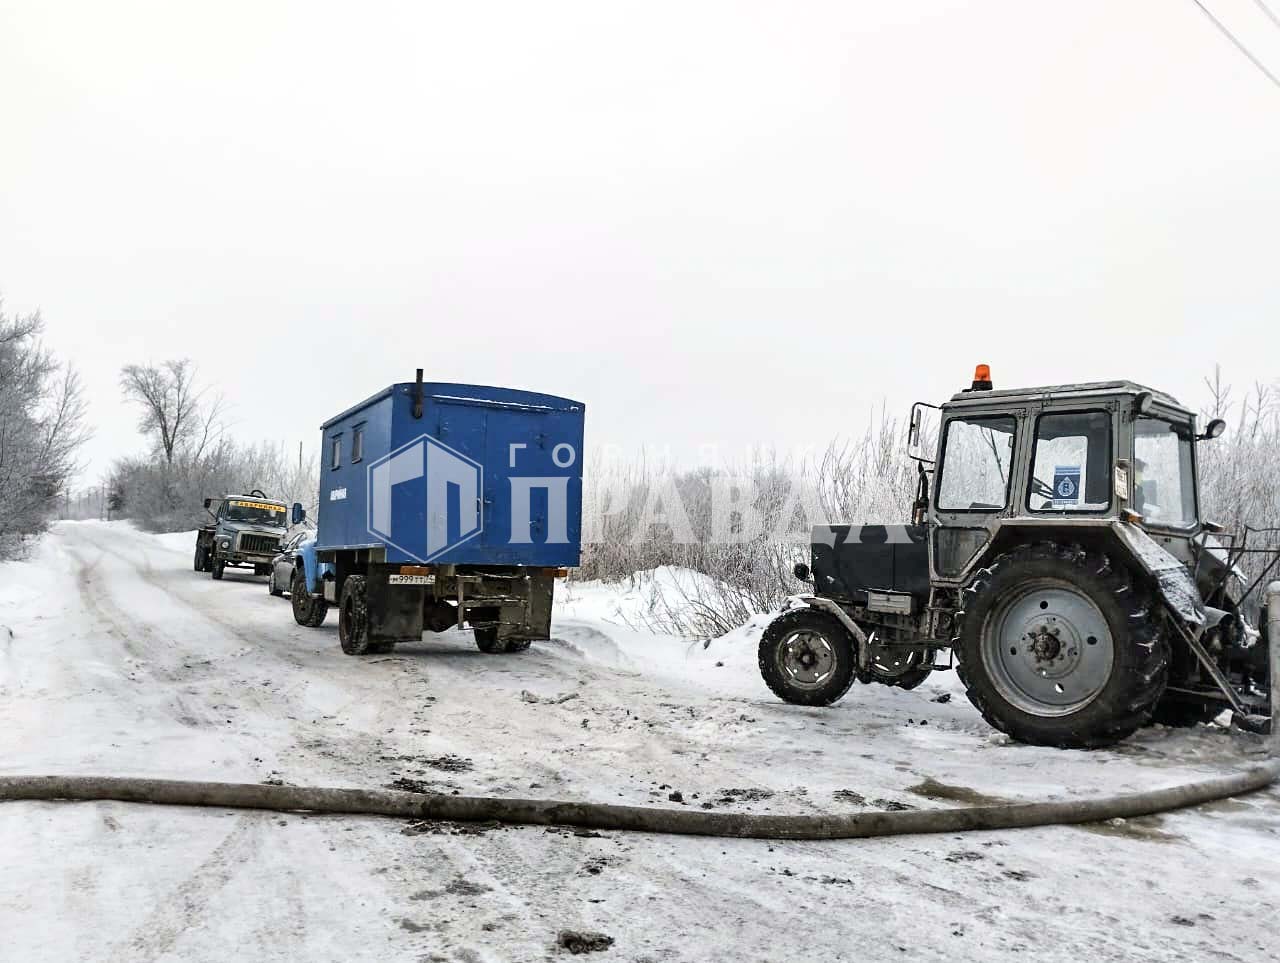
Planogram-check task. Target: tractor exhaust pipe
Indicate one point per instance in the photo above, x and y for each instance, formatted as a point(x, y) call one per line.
point(1272, 601)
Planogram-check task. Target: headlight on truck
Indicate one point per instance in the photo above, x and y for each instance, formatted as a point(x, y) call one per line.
point(224, 544)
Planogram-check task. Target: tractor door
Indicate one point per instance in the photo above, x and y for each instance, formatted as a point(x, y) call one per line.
point(973, 485)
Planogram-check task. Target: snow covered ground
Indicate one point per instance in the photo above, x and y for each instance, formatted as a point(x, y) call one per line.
point(115, 657)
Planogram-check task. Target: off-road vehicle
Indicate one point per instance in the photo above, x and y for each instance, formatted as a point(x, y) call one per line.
point(247, 531)
point(1057, 558)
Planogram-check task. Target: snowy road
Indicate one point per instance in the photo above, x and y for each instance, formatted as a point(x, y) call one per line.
point(115, 657)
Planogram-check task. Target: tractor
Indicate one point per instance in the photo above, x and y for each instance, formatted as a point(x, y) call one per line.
point(1056, 557)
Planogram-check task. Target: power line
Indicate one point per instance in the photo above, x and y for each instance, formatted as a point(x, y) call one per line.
point(1268, 11)
point(1238, 45)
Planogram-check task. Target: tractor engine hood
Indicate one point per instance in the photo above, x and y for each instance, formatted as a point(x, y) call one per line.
point(1176, 585)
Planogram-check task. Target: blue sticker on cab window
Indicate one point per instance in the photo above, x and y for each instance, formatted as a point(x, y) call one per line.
point(1066, 485)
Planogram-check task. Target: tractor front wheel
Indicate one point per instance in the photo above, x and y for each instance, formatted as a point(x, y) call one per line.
point(807, 658)
point(1058, 648)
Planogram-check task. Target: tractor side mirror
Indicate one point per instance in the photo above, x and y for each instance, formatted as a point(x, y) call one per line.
point(298, 514)
point(918, 433)
point(208, 502)
point(1214, 429)
point(801, 571)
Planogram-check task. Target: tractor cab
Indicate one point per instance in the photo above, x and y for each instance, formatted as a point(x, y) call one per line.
point(1077, 458)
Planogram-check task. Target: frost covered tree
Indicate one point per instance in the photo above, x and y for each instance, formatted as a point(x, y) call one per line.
point(42, 426)
point(191, 457)
point(170, 403)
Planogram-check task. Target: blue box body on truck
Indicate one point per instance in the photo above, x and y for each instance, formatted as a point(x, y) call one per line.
point(448, 504)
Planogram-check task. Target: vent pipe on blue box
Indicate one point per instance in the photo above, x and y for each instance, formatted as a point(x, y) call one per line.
point(417, 395)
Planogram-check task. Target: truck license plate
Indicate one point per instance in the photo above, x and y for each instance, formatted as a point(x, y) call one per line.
point(411, 579)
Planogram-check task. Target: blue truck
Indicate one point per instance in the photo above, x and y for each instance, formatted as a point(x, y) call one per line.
point(444, 505)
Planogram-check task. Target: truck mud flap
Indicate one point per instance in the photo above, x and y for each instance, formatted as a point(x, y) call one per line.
point(395, 611)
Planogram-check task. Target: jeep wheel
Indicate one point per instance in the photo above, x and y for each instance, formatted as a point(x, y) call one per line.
point(218, 567)
point(308, 610)
point(353, 617)
point(807, 658)
point(1056, 648)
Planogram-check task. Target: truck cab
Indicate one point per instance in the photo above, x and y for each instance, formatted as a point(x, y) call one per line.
point(246, 531)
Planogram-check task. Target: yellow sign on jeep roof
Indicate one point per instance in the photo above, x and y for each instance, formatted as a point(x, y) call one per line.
point(237, 503)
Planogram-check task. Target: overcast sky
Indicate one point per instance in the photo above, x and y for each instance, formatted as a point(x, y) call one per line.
point(735, 223)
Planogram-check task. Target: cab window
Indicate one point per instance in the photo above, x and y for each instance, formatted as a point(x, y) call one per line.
point(1164, 488)
point(976, 461)
point(1071, 463)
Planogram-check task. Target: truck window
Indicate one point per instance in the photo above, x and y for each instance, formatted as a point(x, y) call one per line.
point(975, 464)
point(1164, 490)
point(357, 443)
point(335, 451)
point(256, 513)
point(1071, 464)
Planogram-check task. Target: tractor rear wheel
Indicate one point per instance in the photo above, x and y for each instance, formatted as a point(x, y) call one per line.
point(807, 658)
point(1058, 648)
point(198, 563)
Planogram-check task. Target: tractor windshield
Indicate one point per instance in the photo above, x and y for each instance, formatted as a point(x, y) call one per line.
point(975, 464)
point(1164, 488)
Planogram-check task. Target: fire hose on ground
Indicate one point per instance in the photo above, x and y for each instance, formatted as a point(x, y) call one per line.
point(645, 819)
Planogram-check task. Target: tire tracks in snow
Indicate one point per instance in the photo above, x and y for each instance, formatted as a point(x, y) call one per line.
point(345, 750)
point(158, 932)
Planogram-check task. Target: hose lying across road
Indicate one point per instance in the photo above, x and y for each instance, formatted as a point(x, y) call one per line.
point(687, 822)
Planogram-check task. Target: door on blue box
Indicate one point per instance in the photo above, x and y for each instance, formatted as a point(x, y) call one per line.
point(532, 485)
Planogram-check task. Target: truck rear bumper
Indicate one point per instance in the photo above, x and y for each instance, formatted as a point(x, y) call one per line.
point(515, 601)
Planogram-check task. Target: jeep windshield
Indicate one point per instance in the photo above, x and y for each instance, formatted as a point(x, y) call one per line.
point(256, 513)
point(1164, 485)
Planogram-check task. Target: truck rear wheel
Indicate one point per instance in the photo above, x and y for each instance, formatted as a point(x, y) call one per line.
point(200, 560)
point(308, 610)
point(1057, 648)
point(353, 617)
point(807, 658)
point(487, 641)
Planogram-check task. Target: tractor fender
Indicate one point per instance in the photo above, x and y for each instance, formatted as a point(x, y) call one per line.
point(832, 608)
point(1170, 577)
